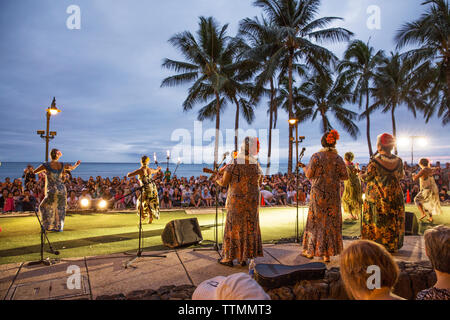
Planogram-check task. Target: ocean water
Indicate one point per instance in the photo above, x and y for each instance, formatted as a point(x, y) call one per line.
point(87, 169)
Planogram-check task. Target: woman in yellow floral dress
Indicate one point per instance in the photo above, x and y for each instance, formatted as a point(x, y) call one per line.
point(352, 196)
point(384, 206)
point(323, 231)
point(150, 200)
point(242, 235)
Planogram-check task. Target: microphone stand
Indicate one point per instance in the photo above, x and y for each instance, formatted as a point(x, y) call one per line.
point(215, 247)
point(44, 237)
point(139, 254)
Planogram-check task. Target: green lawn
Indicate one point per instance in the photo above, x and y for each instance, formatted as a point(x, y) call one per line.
point(105, 233)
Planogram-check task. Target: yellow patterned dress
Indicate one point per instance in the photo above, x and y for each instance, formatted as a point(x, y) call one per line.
point(323, 231)
point(384, 205)
point(352, 196)
point(242, 235)
point(150, 200)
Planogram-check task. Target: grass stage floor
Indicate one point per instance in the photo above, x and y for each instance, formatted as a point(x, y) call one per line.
point(106, 233)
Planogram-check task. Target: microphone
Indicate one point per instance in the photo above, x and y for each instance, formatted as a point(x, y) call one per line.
point(225, 155)
point(302, 153)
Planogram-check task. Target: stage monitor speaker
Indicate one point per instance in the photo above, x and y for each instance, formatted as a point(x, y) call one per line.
point(181, 233)
point(411, 224)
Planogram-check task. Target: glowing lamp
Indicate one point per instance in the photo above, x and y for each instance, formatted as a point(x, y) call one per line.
point(53, 110)
point(102, 204)
point(168, 153)
point(84, 203)
point(293, 121)
point(422, 142)
point(404, 141)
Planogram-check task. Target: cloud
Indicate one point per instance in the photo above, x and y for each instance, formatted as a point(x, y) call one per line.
point(106, 77)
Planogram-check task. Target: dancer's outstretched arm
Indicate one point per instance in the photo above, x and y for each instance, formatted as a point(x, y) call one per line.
point(68, 167)
point(153, 171)
point(39, 169)
point(135, 173)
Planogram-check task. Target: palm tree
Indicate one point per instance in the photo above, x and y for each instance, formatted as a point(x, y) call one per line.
point(295, 20)
point(236, 93)
point(430, 32)
point(395, 83)
point(206, 58)
point(359, 64)
point(321, 95)
point(265, 48)
point(437, 96)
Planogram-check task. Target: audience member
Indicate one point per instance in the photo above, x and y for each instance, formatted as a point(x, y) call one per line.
point(357, 263)
point(437, 248)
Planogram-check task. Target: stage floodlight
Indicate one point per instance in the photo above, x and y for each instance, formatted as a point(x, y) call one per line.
point(102, 204)
point(84, 203)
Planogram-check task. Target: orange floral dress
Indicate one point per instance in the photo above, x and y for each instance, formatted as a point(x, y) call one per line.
point(242, 234)
point(323, 231)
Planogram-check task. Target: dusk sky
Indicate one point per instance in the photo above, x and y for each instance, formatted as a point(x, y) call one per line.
point(106, 78)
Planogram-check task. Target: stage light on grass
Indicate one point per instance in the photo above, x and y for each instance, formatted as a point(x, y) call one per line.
point(85, 203)
point(102, 204)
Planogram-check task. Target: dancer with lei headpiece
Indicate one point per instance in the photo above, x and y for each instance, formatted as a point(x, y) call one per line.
point(323, 231)
point(384, 205)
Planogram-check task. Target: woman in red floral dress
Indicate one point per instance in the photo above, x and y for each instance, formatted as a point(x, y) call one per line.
point(323, 231)
point(242, 235)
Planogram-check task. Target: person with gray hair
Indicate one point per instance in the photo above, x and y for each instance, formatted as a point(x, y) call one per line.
point(437, 248)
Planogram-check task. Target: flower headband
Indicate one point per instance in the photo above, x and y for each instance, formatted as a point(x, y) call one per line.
point(332, 137)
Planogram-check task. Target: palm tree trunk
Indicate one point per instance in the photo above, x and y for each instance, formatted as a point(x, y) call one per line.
point(447, 72)
point(269, 152)
point(369, 141)
point(394, 128)
point(290, 103)
point(216, 142)
point(324, 122)
point(236, 125)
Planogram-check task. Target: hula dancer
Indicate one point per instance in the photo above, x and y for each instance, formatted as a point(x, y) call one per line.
point(352, 196)
point(323, 231)
point(427, 200)
point(53, 207)
point(150, 200)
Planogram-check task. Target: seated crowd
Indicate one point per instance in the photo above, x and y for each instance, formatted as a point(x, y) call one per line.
point(174, 192)
point(357, 265)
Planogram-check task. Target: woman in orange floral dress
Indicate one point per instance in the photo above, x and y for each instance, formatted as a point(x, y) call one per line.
point(242, 235)
point(323, 231)
point(384, 206)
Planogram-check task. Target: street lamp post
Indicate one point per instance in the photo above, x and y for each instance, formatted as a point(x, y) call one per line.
point(412, 139)
point(168, 158)
point(294, 122)
point(49, 135)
